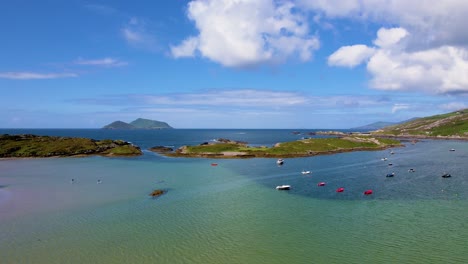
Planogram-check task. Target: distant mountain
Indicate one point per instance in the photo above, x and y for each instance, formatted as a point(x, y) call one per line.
point(374, 126)
point(139, 123)
point(380, 125)
point(454, 124)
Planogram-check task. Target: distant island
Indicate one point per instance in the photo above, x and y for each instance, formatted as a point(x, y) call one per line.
point(33, 146)
point(139, 123)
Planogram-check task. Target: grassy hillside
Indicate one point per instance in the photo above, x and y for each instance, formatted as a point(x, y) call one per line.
point(44, 146)
point(453, 124)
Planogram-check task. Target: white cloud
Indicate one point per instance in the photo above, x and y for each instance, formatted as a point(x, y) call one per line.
point(350, 56)
point(106, 62)
point(433, 23)
point(136, 33)
point(389, 37)
point(243, 97)
point(186, 49)
point(398, 107)
point(439, 70)
point(245, 32)
point(35, 75)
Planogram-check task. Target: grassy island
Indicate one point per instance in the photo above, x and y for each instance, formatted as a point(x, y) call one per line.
point(300, 148)
point(25, 146)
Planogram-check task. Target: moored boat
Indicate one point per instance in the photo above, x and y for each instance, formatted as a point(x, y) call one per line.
point(446, 175)
point(283, 187)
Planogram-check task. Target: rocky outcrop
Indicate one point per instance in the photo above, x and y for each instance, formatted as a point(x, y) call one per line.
point(161, 149)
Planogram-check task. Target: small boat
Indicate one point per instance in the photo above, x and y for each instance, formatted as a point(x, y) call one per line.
point(446, 175)
point(368, 192)
point(411, 170)
point(452, 149)
point(214, 164)
point(390, 164)
point(391, 152)
point(305, 172)
point(283, 187)
point(280, 161)
point(341, 189)
point(384, 159)
point(390, 174)
point(321, 184)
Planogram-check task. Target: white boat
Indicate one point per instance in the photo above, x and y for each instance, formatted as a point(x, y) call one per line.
point(283, 187)
point(280, 161)
point(305, 172)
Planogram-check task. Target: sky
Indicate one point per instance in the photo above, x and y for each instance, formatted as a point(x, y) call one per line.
point(319, 64)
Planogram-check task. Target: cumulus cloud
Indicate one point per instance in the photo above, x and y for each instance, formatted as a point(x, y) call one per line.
point(245, 32)
point(426, 50)
point(350, 56)
point(35, 75)
point(434, 23)
point(440, 70)
point(388, 37)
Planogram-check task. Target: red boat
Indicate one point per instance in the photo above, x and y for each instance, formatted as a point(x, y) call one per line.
point(341, 189)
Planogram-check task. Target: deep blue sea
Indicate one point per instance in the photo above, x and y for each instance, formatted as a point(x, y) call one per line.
point(232, 213)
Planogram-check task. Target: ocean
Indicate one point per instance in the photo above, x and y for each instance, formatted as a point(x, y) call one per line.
point(232, 213)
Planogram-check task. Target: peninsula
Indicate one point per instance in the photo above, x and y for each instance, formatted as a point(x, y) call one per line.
point(452, 125)
point(32, 146)
point(224, 148)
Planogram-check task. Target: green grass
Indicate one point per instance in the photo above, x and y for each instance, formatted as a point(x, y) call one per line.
point(45, 146)
point(299, 148)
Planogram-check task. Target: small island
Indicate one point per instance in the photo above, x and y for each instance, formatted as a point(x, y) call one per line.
point(224, 148)
point(32, 146)
point(139, 123)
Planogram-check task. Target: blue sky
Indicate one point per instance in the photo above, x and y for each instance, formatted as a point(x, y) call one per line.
point(231, 63)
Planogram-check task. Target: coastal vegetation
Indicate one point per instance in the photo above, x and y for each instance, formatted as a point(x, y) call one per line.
point(139, 123)
point(450, 125)
point(300, 148)
point(47, 146)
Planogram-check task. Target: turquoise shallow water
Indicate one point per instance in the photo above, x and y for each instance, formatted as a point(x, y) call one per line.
point(232, 213)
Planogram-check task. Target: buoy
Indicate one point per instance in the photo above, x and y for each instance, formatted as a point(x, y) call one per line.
point(321, 184)
point(341, 189)
point(368, 192)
